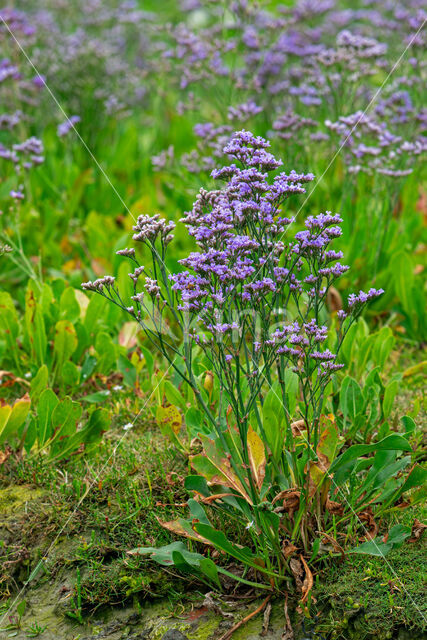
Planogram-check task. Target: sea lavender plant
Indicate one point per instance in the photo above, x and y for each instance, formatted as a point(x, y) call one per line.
point(251, 299)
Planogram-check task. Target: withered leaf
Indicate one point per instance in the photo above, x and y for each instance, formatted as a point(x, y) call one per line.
point(417, 530)
point(308, 580)
point(334, 507)
point(298, 571)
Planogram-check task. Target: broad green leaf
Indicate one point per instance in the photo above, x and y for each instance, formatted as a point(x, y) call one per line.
point(107, 354)
point(351, 398)
point(383, 346)
point(9, 325)
point(65, 342)
point(194, 421)
point(408, 424)
point(389, 396)
point(274, 434)
point(149, 360)
point(416, 478)
point(95, 314)
point(291, 390)
point(219, 540)
point(173, 396)
point(95, 398)
point(164, 557)
point(88, 367)
point(35, 327)
point(127, 370)
point(397, 535)
point(65, 417)
point(84, 439)
point(204, 565)
point(393, 442)
point(39, 383)
point(47, 403)
point(69, 308)
point(197, 484)
point(348, 343)
point(70, 374)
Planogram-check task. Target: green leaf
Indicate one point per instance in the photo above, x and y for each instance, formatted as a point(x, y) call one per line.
point(194, 421)
point(65, 417)
point(397, 535)
point(348, 343)
point(70, 374)
point(291, 390)
point(351, 398)
point(127, 370)
point(95, 314)
point(188, 563)
point(409, 425)
point(65, 343)
point(218, 539)
point(98, 396)
point(87, 437)
point(197, 484)
point(383, 346)
point(393, 443)
point(69, 308)
point(9, 325)
point(88, 367)
point(39, 383)
point(47, 403)
point(416, 478)
point(106, 350)
point(35, 327)
point(173, 396)
point(149, 360)
point(389, 396)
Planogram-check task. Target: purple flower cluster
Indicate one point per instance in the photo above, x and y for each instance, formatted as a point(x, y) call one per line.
point(249, 300)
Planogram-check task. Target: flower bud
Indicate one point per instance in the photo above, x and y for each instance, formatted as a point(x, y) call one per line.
point(208, 383)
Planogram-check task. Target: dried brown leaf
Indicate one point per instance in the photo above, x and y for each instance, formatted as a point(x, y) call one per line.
point(308, 581)
point(417, 530)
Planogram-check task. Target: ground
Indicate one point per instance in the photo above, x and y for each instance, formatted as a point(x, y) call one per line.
point(64, 534)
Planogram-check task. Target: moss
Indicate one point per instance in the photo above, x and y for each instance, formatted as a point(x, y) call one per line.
point(370, 597)
point(13, 499)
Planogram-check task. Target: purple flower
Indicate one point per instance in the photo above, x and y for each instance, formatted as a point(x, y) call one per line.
point(65, 127)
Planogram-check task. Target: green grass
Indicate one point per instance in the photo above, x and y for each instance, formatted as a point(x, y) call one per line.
point(93, 513)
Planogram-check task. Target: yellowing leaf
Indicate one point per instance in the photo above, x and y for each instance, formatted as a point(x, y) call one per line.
point(217, 459)
point(169, 416)
point(326, 451)
point(13, 417)
point(257, 457)
point(182, 528)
